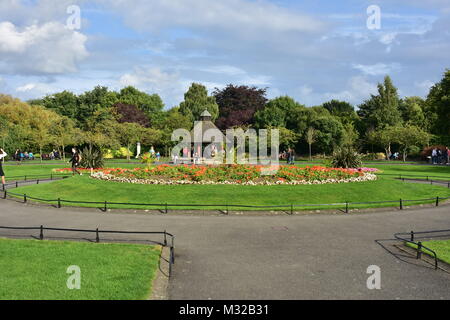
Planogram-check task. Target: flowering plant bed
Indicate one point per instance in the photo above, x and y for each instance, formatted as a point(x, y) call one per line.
point(235, 174)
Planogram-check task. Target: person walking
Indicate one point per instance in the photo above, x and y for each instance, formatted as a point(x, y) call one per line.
point(3, 154)
point(75, 160)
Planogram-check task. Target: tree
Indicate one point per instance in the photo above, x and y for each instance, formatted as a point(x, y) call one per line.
point(129, 134)
point(196, 100)
point(310, 139)
point(438, 101)
point(98, 103)
point(329, 133)
point(338, 108)
point(151, 104)
point(411, 109)
point(65, 133)
point(384, 138)
point(409, 137)
point(64, 103)
point(131, 114)
point(276, 112)
point(238, 105)
point(350, 135)
point(382, 110)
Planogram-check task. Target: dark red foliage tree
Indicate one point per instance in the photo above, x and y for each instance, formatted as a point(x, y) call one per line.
point(132, 114)
point(238, 105)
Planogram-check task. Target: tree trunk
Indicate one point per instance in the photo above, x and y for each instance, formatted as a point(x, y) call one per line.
point(63, 154)
point(310, 153)
point(40, 151)
point(128, 153)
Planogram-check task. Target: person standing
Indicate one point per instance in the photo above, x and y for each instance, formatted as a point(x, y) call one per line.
point(75, 160)
point(434, 156)
point(3, 154)
point(448, 155)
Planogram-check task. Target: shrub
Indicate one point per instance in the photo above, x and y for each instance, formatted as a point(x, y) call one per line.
point(108, 154)
point(91, 157)
point(122, 153)
point(148, 159)
point(374, 156)
point(346, 157)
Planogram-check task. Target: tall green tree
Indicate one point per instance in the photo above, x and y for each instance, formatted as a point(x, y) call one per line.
point(196, 100)
point(276, 113)
point(151, 104)
point(438, 101)
point(382, 110)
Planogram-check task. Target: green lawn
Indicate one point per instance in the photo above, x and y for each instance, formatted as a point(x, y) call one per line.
point(441, 247)
point(87, 189)
point(36, 270)
point(386, 188)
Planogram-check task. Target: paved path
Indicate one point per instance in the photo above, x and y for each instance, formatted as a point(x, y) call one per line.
point(283, 257)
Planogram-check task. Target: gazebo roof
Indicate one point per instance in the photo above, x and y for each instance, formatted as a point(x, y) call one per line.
point(200, 127)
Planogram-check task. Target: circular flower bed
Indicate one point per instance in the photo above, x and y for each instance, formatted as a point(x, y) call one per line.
point(235, 174)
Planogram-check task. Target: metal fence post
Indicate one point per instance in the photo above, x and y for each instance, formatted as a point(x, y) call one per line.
point(166, 209)
point(346, 207)
point(59, 203)
point(401, 204)
point(24, 198)
point(419, 250)
point(437, 201)
point(412, 236)
point(4, 196)
point(292, 209)
point(97, 238)
point(37, 181)
point(165, 238)
point(106, 204)
point(41, 235)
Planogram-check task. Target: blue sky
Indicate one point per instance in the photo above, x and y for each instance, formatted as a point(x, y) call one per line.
point(313, 51)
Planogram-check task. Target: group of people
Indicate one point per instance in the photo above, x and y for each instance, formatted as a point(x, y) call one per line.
point(19, 156)
point(288, 155)
point(394, 156)
point(155, 154)
point(439, 156)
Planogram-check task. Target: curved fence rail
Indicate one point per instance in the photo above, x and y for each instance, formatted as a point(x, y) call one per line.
point(170, 244)
point(412, 236)
point(225, 207)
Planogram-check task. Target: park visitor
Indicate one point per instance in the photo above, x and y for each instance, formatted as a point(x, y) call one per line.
point(434, 156)
point(75, 160)
point(447, 151)
point(3, 154)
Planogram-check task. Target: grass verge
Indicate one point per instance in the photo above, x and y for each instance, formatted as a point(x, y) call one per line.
point(36, 270)
point(441, 247)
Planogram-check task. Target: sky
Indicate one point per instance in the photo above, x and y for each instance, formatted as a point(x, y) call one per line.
point(311, 50)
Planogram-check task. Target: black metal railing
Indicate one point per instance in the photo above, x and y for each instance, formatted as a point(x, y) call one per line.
point(412, 237)
point(224, 207)
point(165, 242)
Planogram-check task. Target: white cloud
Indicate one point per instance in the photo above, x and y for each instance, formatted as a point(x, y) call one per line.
point(358, 90)
point(239, 15)
point(154, 80)
point(49, 48)
point(377, 69)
